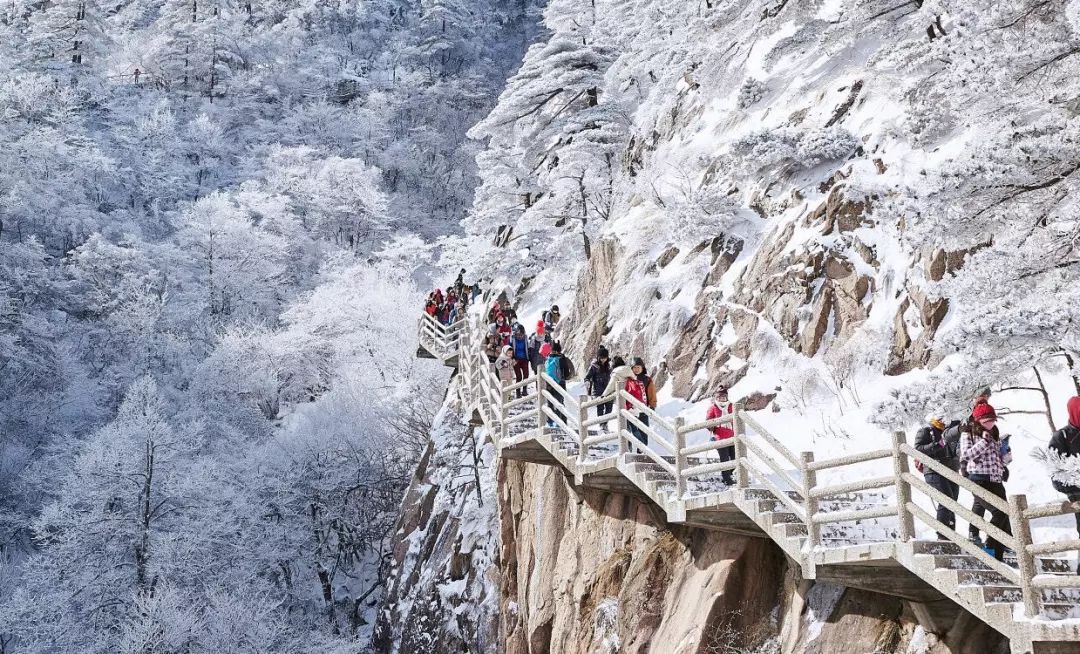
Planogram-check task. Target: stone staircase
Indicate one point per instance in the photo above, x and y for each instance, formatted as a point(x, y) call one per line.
point(853, 533)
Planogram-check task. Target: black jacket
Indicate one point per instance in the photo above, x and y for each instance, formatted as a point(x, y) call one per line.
point(940, 446)
point(1066, 442)
point(597, 377)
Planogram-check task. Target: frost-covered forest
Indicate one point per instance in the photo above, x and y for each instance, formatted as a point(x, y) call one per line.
point(210, 217)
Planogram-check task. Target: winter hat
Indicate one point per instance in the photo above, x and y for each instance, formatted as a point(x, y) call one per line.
point(555, 309)
point(507, 348)
point(721, 390)
point(556, 348)
point(983, 410)
point(1074, 411)
point(601, 352)
point(934, 421)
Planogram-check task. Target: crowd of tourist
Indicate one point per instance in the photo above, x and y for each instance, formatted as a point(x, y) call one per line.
point(973, 448)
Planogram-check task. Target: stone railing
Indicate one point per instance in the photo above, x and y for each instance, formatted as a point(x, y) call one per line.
point(761, 461)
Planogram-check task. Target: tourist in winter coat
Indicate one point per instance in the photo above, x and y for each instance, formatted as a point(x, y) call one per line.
point(1066, 442)
point(536, 343)
point(985, 456)
point(504, 329)
point(953, 434)
point(931, 440)
point(551, 318)
point(519, 344)
point(722, 407)
point(492, 344)
point(597, 378)
point(557, 367)
point(641, 387)
point(504, 365)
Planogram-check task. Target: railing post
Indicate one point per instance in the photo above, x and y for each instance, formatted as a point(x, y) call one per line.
point(680, 457)
point(741, 477)
point(903, 489)
point(540, 419)
point(583, 431)
point(620, 422)
point(504, 429)
point(1021, 529)
point(813, 529)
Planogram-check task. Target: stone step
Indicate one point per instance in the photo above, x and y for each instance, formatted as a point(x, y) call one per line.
point(1055, 566)
point(1003, 594)
point(765, 494)
point(1056, 611)
point(1061, 595)
point(980, 578)
point(935, 547)
point(780, 517)
point(790, 529)
point(958, 562)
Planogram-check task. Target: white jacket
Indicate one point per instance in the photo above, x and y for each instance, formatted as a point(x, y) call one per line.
point(504, 366)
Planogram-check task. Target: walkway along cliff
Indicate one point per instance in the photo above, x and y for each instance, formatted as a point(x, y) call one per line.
point(860, 534)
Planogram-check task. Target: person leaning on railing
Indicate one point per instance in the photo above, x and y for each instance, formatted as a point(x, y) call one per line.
point(944, 447)
point(1066, 442)
point(985, 458)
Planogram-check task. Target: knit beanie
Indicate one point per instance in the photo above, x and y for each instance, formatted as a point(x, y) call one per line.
point(983, 410)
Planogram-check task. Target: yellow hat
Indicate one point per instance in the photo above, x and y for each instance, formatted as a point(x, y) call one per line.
point(937, 423)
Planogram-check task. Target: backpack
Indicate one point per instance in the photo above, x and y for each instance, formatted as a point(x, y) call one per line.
point(556, 368)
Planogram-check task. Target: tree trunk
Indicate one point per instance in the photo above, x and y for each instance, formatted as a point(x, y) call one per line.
point(1072, 371)
point(142, 549)
point(1046, 399)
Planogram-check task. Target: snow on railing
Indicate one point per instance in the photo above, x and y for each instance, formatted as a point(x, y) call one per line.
point(760, 459)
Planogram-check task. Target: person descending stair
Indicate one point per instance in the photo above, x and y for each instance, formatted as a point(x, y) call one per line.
point(953, 433)
point(504, 365)
point(1066, 442)
point(503, 325)
point(597, 378)
point(557, 367)
point(985, 456)
point(492, 343)
point(641, 387)
point(519, 344)
point(551, 318)
point(722, 407)
point(931, 441)
point(537, 341)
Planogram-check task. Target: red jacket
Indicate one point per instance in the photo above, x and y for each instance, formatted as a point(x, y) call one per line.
point(720, 432)
point(644, 391)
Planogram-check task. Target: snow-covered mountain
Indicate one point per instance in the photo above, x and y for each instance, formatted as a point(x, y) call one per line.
point(852, 213)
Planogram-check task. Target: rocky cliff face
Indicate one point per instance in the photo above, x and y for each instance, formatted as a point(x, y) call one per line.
point(553, 569)
point(590, 572)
